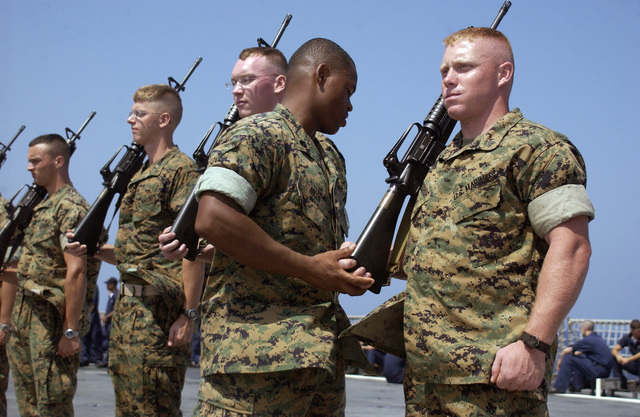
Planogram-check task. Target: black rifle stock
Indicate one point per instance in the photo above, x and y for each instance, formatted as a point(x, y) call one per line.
point(115, 182)
point(20, 214)
point(184, 224)
point(406, 177)
point(7, 148)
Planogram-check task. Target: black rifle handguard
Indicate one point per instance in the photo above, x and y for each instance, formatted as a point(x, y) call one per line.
point(7, 148)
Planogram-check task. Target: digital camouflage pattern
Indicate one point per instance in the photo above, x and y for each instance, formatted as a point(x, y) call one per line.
point(4, 361)
point(308, 392)
point(281, 323)
point(4, 380)
point(3, 210)
point(152, 201)
point(45, 383)
point(147, 375)
point(446, 400)
point(472, 257)
point(42, 268)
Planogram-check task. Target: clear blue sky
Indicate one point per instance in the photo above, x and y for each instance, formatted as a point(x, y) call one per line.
point(576, 71)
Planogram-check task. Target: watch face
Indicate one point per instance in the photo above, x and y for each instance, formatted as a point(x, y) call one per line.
point(192, 313)
point(531, 342)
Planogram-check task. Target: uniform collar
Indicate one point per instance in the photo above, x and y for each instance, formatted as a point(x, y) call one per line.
point(49, 201)
point(154, 169)
point(487, 141)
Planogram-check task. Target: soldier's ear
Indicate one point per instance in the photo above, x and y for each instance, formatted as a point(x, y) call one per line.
point(280, 85)
point(321, 74)
point(59, 161)
point(505, 73)
point(165, 119)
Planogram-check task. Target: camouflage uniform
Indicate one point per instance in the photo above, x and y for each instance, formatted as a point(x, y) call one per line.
point(473, 259)
point(45, 383)
point(3, 210)
point(4, 373)
point(4, 361)
point(147, 374)
point(264, 327)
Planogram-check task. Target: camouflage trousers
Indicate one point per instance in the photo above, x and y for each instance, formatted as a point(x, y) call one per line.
point(295, 393)
point(44, 382)
point(147, 374)
point(474, 400)
point(4, 380)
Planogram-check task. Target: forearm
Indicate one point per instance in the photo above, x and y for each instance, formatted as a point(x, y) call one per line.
point(9, 275)
point(561, 278)
point(192, 280)
point(75, 290)
point(107, 254)
point(7, 301)
point(222, 223)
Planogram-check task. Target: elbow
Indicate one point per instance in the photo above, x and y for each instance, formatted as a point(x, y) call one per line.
point(582, 252)
point(203, 225)
point(77, 273)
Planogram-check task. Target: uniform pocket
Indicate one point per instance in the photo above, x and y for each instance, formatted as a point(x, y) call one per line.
point(481, 225)
point(57, 382)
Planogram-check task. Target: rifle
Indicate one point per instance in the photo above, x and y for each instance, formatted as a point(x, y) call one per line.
point(184, 224)
point(7, 148)
point(115, 182)
point(406, 177)
point(20, 215)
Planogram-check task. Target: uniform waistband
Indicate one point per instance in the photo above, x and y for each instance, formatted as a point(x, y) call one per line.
point(135, 290)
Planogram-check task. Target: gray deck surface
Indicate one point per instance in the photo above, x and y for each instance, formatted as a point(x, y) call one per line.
point(366, 397)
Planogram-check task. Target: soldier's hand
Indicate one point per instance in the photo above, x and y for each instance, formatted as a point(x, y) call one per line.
point(518, 368)
point(181, 331)
point(327, 272)
point(171, 247)
point(69, 347)
point(74, 248)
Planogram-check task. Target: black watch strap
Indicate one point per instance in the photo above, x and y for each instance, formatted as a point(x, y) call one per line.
point(534, 343)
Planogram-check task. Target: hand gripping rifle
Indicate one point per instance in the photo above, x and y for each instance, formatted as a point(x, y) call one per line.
point(183, 226)
point(115, 182)
point(7, 148)
point(406, 177)
point(20, 215)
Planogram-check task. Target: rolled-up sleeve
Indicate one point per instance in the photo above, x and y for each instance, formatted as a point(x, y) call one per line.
point(229, 183)
point(559, 205)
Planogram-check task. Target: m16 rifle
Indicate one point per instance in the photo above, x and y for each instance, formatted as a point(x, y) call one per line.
point(406, 177)
point(89, 229)
point(183, 226)
point(20, 214)
point(7, 148)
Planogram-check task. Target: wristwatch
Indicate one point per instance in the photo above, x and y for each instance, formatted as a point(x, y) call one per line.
point(70, 333)
point(533, 342)
point(6, 328)
point(191, 313)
